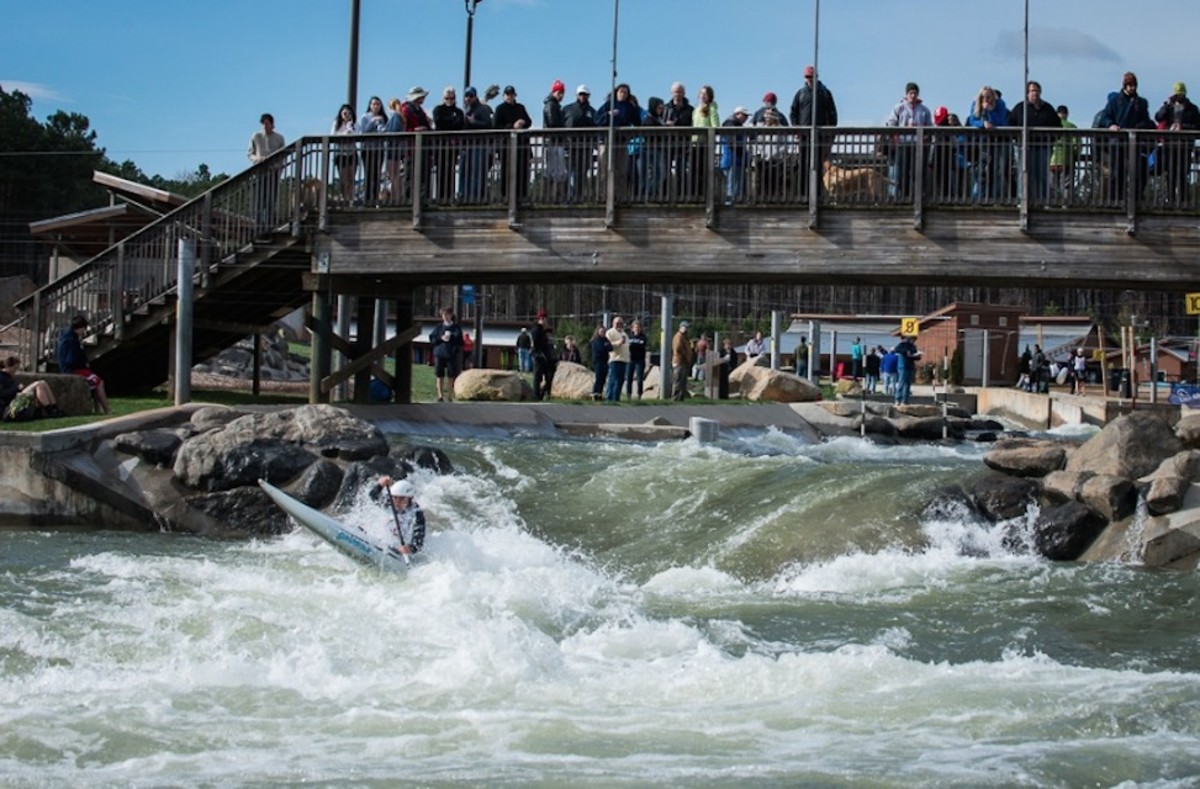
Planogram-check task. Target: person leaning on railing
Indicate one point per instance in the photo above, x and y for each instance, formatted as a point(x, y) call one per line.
point(263, 143)
point(1125, 110)
point(1063, 157)
point(1037, 114)
point(1174, 157)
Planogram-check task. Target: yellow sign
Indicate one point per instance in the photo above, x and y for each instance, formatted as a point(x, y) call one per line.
point(911, 327)
point(1097, 355)
point(1193, 303)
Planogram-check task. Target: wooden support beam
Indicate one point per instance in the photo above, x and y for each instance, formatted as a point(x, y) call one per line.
point(366, 360)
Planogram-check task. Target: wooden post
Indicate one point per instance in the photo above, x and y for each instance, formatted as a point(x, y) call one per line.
point(321, 345)
point(363, 342)
point(402, 385)
point(256, 381)
point(417, 181)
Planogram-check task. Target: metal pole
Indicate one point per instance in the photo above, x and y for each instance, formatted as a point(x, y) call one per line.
point(352, 73)
point(814, 177)
point(987, 360)
point(833, 358)
point(470, 6)
point(775, 329)
point(1025, 192)
point(665, 370)
point(1153, 369)
point(611, 190)
point(183, 322)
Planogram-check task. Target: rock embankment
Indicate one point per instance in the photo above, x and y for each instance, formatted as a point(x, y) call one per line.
point(1130, 493)
point(201, 477)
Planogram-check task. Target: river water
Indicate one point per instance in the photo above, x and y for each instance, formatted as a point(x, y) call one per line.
point(760, 612)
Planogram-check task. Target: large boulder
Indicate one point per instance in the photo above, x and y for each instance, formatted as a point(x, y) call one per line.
point(572, 382)
point(1110, 497)
point(319, 483)
point(1130, 446)
point(492, 385)
point(1165, 494)
point(1064, 532)
point(757, 383)
point(274, 446)
point(157, 446)
point(1000, 498)
point(1059, 487)
point(1026, 457)
point(242, 512)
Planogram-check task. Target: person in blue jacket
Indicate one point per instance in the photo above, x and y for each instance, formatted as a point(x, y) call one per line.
point(73, 359)
point(1125, 110)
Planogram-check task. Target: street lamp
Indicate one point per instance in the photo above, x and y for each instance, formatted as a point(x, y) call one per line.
point(470, 5)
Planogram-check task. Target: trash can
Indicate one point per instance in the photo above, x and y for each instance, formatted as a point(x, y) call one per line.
point(1114, 380)
point(1126, 390)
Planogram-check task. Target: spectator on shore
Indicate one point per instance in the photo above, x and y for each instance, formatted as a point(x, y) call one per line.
point(545, 360)
point(447, 342)
point(727, 362)
point(23, 403)
point(599, 348)
point(889, 368)
point(756, 347)
point(872, 371)
point(907, 356)
point(802, 351)
point(637, 360)
point(524, 351)
point(857, 352)
point(682, 357)
point(618, 359)
point(73, 359)
point(570, 351)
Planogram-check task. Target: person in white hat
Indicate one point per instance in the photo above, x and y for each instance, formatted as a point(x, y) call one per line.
point(407, 523)
point(579, 115)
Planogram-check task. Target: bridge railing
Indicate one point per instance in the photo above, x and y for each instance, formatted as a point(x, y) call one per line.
point(1084, 169)
point(143, 268)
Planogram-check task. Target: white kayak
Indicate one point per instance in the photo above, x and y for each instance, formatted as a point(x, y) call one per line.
point(355, 543)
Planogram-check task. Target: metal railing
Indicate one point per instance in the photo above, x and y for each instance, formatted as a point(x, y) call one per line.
point(651, 167)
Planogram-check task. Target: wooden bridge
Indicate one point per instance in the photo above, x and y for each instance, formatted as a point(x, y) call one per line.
point(376, 216)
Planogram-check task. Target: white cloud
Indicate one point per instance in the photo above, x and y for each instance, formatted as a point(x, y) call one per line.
point(1059, 43)
point(34, 90)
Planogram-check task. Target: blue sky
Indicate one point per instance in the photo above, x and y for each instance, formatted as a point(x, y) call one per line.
point(173, 83)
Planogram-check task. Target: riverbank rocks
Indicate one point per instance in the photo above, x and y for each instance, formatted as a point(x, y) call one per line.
point(758, 383)
point(572, 382)
point(276, 361)
point(1136, 454)
point(492, 385)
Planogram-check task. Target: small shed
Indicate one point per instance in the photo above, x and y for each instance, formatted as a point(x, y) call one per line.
point(969, 327)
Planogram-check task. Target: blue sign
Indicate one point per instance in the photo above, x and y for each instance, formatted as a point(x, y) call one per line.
point(1185, 394)
point(467, 293)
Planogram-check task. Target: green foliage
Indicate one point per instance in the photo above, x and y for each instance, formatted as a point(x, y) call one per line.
point(956, 366)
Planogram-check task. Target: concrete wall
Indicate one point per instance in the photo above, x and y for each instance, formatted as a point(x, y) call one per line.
point(1041, 412)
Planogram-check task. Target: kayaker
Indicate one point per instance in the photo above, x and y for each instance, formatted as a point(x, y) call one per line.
point(407, 522)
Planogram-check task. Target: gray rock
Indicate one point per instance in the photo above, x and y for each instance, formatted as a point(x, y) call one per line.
point(319, 484)
point(1064, 532)
point(1130, 446)
point(244, 511)
point(1184, 464)
point(1111, 497)
point(215, 466)
point(214, 416)
point(1059, 487)
point(1187, 430)
point(1165, 494)
point(876, 425)
point(423, 457)
point(927, 428)
point(1000, 498)
point(1026, 458)
point(153, 446)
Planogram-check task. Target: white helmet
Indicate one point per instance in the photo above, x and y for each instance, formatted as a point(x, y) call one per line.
point(403, 488)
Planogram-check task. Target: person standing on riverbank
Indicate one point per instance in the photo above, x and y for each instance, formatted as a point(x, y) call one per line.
point(447, 342)
point(682, 357)
point(618, 359)
point(637, 360)
point(545, 360)
point(906, 369)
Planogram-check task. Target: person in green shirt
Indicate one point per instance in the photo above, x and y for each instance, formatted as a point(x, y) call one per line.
point(1063, 156)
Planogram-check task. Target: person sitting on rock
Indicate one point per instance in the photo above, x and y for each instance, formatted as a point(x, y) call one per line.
point(73, 359)
point(24, 403)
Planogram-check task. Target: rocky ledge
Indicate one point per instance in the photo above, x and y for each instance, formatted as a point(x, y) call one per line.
point(1128, 494)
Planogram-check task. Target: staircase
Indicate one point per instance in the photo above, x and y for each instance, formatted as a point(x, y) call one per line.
point(250, 255)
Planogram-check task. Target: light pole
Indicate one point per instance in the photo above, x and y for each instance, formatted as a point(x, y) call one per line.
point(352, 79)
point(470, 5)
point(479, 355)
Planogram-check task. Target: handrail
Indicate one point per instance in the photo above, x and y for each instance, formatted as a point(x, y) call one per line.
point(1125, 173)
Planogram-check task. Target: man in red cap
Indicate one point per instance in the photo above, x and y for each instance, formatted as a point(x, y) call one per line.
point(813, 101)
point(769, 106)
point(552, 115)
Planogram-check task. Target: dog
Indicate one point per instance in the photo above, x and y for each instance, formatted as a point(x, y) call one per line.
point(854, 184)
